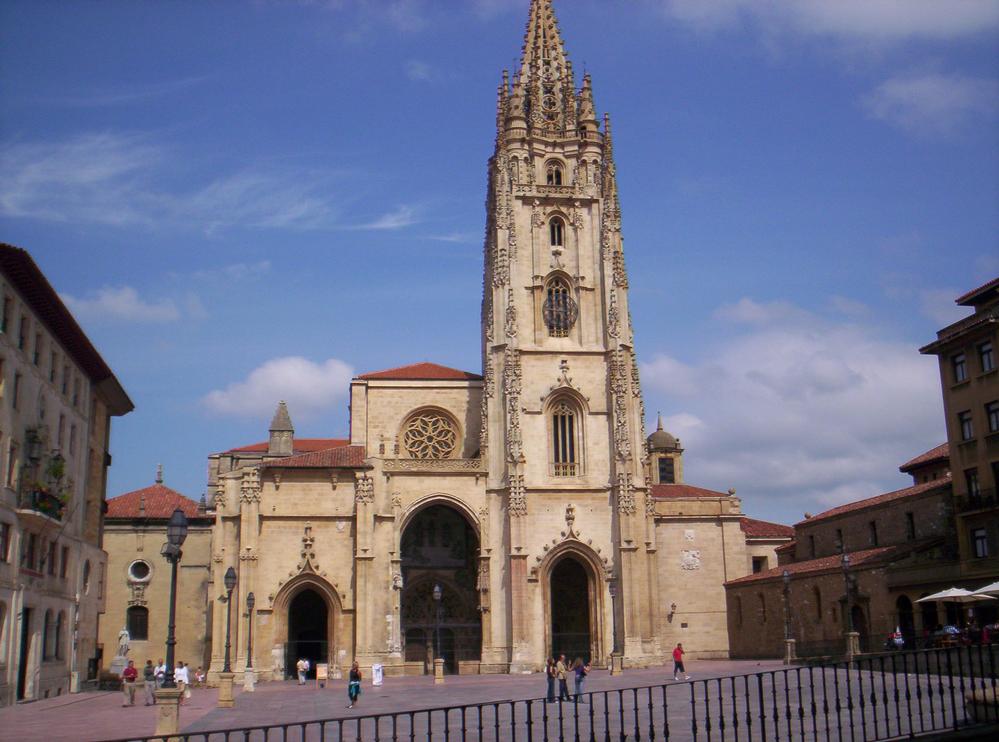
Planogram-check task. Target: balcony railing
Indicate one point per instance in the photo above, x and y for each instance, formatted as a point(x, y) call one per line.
point(564, 470)
point(984, 499)
point(44, 503)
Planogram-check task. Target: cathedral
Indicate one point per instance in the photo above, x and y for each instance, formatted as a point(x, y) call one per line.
point(493, 519)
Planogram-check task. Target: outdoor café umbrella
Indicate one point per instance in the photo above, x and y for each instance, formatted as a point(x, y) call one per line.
point(992, 589)
point(955, 595)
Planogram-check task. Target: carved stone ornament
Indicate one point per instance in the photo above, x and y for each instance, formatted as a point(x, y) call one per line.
point(432, 465)
point(308, 561)
point(396, 501)
point(249, 487)
point(219, 499)
point(364, 489)
point(688, 534)
point(570, 519)
point(489, 318)
point(625, 493)
point(397, 580)
point(613, 316)
point(511, 315)
point(276, 475)
point(518, 496)
point(430, 435)
point(138, 596)
point(690, 559)
point(537, 215)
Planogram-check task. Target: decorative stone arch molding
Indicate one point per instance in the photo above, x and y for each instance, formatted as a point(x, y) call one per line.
point(440, 498)
point(430, 432)
point(338, 636)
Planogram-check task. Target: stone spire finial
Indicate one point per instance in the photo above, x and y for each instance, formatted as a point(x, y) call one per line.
point(542, 40)
point(159, 474)
point(659, 426)
point(587, 111)
point(282, 439)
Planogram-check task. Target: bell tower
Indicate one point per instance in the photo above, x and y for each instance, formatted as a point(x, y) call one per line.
point(562, 405)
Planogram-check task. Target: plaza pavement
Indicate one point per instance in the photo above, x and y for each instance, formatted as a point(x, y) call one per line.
point(88, 717)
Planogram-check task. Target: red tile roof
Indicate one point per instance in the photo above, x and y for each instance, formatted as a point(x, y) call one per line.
point(879, 500)
point(421, 372)
point(940, 453)
point(866, 558)
point(29, 281)
point(968, 299)
point(789, 546)
point(157, 501)
point(664, 491)
point(302, 445)
point(331, 458)
point(765, 529)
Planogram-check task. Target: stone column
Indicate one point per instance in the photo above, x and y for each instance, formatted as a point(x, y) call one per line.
point(226, 700)
point(438, 671)
point(168, 713)
point(790, 651)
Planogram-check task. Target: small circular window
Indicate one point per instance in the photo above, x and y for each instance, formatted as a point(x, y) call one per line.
point(138, 571)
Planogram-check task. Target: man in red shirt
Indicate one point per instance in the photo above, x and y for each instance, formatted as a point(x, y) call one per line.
point(678, 663)
point(128, 676)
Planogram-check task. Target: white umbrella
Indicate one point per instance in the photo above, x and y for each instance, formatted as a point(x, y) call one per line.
point(992, 589)
point(954, 595)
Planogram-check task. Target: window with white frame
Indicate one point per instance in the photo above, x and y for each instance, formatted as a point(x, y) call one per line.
point(980, 542)
point(965, 425)
point(992, 415)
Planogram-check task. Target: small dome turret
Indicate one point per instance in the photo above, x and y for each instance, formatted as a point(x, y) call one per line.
point(661, 440)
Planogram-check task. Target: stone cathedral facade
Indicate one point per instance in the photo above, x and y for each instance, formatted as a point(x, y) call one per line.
point(529, 493)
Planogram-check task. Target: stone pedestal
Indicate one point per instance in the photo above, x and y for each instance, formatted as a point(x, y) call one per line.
point(438, 671)
point(225, 690)
point(119, 663)
point(852, 645)
point(168, 713)
point(790, 651)
point(617, 664)
point(249, 680)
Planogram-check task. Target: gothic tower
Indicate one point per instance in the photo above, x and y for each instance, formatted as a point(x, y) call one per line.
point(563, 430)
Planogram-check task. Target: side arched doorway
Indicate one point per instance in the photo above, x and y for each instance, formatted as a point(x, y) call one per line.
point(570, 609)
point(860, 626)
point(440, 547)
point(906, 621)
point(308, 631)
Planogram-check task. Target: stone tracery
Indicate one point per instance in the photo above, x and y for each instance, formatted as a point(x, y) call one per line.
point(430, 435)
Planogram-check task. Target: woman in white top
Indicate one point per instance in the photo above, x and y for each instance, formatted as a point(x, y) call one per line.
point(182, 679)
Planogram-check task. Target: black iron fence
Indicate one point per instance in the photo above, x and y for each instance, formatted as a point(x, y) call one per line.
point(904, 695)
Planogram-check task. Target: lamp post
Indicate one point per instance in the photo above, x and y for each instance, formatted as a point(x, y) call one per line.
point(847, 613)
point(226, 700)
point(230, 584)
point(176, 534)
point(168, 696)
point(789, 643)
point(438, 660)
point(248, 676)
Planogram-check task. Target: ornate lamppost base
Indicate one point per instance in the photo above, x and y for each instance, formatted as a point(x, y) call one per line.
point(438, 671)
point(168, 712)
point(225, 690)
point(852, 645)
point(249, 680)
point(790, 651)
point(617, 663)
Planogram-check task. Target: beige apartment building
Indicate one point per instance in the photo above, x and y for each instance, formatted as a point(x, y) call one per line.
point(494, 518)
point(969, 379)
point(57, 398)
point(138, 577)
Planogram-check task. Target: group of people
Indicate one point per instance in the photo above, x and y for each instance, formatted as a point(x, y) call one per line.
point(153, 677)
point(558, 669)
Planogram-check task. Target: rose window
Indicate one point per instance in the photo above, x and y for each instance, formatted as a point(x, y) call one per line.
point(430, 435)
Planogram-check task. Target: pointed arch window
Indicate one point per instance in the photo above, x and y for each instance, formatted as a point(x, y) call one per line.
point(556, 232)
point(565, 439)
point(554, 174)
point(560, 310)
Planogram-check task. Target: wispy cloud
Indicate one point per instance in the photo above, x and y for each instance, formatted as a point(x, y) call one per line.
point(458, 238)
point(419, 71)
point(820, 410)
point(116, 179)
point(123, 304)
point(848, 20)
point(308, 387)
point(399, 218)
point(234, 271)
point(933, 104)
point(123, 94)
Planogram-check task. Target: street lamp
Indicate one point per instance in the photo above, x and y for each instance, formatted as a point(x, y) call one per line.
point(438, 594)
point(787, 605)
point(848, 587)
point(176, 533)
point(230, 584)
point(250, 602)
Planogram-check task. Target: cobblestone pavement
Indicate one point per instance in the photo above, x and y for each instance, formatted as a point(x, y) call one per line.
point(86, 717)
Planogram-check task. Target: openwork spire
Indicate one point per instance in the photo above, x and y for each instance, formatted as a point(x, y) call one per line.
point(546, 73)
point(542, 41)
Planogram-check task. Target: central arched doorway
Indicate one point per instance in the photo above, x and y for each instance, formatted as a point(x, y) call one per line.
point(440, 547)
point(570, 610)
point(308, 631)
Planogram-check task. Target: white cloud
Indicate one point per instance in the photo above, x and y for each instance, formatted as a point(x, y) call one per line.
point(235, 271)
point(114, 179)
point(125, 305)
point(939, 306)
point(458, 238)
point(308, 387)
point(932, 104)
point(419, 71)
point(798, 415)
point(403, 216)
point(852, 20)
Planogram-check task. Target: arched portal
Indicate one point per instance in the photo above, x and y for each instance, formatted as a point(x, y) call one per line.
point(860, 626)
point(308, 631)
point(440, 547)
point(570, 610)
point(906, 621)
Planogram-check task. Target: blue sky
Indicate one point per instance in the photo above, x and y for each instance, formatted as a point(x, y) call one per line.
point(247, 201)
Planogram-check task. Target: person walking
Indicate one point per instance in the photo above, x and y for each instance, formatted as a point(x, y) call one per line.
point(302, 668)
point(561, 671)
point(149, 682)
point(128, 676)
point(183, 679)
point(582, 670)
point(353, 685)
point(678, 663)
point(160, 673)
point(550, 678)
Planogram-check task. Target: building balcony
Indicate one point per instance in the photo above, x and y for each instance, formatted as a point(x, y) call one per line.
point(984, 499)
point(41, 503)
